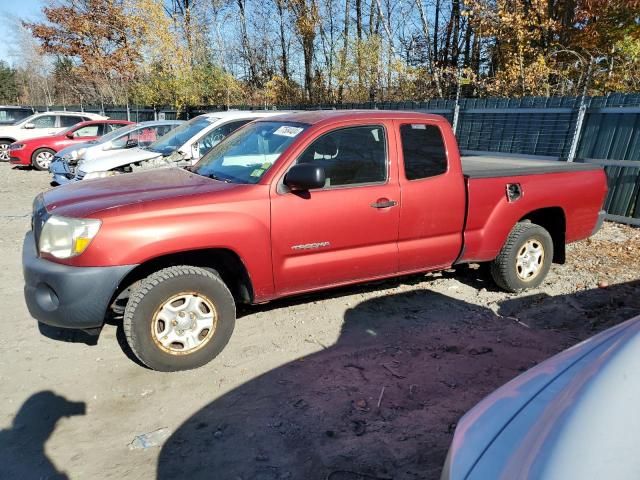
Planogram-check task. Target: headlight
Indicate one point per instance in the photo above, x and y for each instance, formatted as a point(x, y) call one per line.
point(109, 173)
point(65, 237)
point(16, 146)
point(75, 154)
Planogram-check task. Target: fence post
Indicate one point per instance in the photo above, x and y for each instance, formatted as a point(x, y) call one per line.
point(456, 109)
point(576, 134)
point(456, 114)
point(581, 113)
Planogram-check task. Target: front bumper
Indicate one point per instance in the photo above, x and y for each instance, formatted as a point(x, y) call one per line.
point(61, 170)
point(19, 157)
point(64, 296)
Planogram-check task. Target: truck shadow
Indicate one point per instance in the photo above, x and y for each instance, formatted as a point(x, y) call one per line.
point(382, 402)
point(473, 275)
point(22, 446)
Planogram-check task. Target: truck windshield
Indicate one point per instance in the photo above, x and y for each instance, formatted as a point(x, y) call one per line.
point(247, 154)
point(169, 143)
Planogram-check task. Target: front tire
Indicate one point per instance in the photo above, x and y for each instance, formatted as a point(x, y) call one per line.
point(525, 258)
point(4, 150)
point(41, 158)
point(179, 318)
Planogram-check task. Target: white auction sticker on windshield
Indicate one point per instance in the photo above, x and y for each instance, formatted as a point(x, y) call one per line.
point(288, 131)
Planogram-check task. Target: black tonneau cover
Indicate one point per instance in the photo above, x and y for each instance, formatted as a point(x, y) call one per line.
point(487, 166)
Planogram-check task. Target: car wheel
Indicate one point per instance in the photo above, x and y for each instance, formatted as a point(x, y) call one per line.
point(525, 258)
point(179, 318)
point(41, 158)
point(4, 150)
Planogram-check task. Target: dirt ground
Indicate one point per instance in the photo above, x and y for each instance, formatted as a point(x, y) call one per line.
point(360, 383)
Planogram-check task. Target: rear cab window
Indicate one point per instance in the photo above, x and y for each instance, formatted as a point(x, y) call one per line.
point(423, 151)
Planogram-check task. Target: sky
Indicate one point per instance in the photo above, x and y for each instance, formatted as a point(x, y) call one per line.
point(10, 12)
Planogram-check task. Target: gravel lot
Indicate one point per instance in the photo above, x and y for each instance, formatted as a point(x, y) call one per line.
point(359, 383)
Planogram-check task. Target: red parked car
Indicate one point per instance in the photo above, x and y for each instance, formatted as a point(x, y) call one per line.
point(287, 205)
point(39, 151)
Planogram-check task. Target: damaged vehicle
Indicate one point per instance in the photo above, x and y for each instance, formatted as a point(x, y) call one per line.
point(63, 165)
point(182, 147)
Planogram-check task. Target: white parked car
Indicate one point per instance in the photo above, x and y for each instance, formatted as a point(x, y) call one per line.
point(40, 125)
point(182, 146)
point(141, 134)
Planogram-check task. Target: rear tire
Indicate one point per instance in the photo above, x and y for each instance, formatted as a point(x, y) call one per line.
point(41, 158)
point(179, 318)
point(525, 258)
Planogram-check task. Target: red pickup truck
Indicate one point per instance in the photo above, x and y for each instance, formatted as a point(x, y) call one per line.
point(292, 204)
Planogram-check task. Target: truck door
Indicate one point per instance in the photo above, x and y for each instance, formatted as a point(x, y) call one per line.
point(433, 196)
point(348, 230)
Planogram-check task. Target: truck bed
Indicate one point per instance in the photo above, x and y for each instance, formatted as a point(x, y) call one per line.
point(489, 166)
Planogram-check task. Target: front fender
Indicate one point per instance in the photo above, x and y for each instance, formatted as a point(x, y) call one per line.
point(243, 228)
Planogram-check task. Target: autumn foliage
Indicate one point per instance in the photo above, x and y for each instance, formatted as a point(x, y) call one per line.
point(195, 52)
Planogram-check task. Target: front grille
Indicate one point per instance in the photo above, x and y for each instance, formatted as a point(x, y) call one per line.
point(38, 218)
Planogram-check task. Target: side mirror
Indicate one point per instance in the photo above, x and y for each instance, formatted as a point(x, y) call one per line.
point(70, 135)
point(29, 126)
point(304, 176)
point(132, 142)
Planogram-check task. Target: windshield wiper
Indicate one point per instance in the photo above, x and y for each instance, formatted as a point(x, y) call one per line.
point(220, 179)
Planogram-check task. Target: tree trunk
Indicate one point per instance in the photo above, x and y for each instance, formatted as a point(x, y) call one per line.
point(246, 46)
point(455, 32)
point(436, 28)
point(284, 67)
point(433, 66)
point(359, 41)
point(343, 57)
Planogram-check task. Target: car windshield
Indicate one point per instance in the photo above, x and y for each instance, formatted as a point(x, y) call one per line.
point(30, 118)
point(247, 154)
point(177, 137)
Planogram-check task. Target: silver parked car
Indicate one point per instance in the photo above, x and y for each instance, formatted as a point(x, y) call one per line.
point(140, 134)
point(574, 416)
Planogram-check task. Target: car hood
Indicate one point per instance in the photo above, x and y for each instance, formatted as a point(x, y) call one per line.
point(76, 146)
point(572, 416)
point(88, 197)
point(45, 139)
point(119, 158)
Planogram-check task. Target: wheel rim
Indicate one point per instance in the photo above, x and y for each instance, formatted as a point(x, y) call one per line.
point(529, 260)
point(184, 324)
point(43, 159)
point(4, 152)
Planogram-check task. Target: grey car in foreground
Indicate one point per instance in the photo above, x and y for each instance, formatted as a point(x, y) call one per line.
point(574, 416)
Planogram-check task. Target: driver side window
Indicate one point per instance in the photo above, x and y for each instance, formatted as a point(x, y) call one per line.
point(350, 156)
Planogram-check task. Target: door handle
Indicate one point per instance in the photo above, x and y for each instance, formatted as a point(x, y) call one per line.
point(384, 203)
